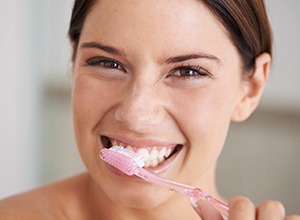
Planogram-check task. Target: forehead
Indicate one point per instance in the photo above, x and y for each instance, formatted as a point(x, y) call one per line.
point(162, 24)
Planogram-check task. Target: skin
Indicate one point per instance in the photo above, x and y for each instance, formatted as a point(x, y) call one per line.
point(137, 96)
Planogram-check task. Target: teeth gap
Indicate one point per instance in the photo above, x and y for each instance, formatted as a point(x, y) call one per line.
point(109, 145)
point(106, 142)
point(176, 149)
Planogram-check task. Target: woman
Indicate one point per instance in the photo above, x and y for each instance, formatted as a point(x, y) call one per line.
point(164, 78)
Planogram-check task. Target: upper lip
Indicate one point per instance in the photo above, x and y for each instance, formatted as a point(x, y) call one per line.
point(139, 142)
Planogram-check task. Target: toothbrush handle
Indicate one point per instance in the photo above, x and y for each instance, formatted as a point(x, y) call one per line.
point(193, 193)
point(165, 183)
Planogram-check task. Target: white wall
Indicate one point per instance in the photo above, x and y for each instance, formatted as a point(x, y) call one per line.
point(37, 144)
point(283, 90)
point(34, 48)
point(18, 92)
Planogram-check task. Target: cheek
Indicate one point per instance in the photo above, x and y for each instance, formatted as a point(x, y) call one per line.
point(206, 113)
point(90, 101)
point(205, 119)
point(209, 126)
point(84, 104)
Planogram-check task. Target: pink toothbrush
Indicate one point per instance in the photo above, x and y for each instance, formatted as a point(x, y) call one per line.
point(131, 163)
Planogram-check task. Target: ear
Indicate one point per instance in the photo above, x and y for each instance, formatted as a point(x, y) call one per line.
point(252, 89)
point(72, 44)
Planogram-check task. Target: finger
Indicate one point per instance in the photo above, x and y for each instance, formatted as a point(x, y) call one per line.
point(206, 211)
point(241, 208)
point(270, 210)
point(292, 217)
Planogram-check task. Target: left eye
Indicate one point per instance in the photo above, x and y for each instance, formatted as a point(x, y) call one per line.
point(189, 71)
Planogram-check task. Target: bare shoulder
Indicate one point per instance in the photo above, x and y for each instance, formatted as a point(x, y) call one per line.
point(52, 201)
point(23, 206)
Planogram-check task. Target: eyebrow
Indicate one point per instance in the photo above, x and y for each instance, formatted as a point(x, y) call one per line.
point(99, 46)
point(181, 58)
point(170, 60)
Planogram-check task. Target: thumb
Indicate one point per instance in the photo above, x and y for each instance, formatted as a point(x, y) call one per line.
point(206, 211)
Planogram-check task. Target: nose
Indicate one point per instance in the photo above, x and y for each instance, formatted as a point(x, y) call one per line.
point(140, 108)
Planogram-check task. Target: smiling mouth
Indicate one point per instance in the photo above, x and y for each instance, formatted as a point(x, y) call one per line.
point(153, 155)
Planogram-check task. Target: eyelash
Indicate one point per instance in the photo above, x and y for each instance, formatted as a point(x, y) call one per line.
point(104, 63)
point(189, 72)
point(183, 72)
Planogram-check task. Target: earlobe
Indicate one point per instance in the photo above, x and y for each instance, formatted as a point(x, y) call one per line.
point(253, 88)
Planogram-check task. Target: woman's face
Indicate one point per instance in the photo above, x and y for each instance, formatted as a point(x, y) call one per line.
point(158, 76)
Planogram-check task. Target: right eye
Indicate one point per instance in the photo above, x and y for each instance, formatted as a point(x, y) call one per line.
point(104, 63)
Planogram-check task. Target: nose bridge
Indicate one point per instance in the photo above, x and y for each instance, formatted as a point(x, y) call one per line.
point(140, 107)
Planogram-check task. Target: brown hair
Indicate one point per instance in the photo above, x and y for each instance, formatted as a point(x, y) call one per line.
point(248, 25)
point(80, 11)
point(245, 20)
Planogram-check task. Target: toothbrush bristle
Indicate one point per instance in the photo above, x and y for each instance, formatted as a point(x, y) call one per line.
point(123, 159)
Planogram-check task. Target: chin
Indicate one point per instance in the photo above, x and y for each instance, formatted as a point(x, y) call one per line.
point(143, 198)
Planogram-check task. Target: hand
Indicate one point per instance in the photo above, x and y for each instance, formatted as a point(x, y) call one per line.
point(242, 208)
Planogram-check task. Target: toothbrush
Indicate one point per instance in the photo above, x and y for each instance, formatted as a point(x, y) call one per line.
point(130, 163)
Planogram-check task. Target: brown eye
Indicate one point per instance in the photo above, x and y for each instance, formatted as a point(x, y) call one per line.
point(110, 64)
point(190, 71)
point(104, 63)
point(187, 72)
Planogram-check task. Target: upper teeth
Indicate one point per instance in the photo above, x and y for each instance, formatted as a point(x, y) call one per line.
point(152, 155)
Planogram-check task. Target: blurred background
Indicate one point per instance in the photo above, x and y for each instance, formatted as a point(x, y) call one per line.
point(261, 158)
